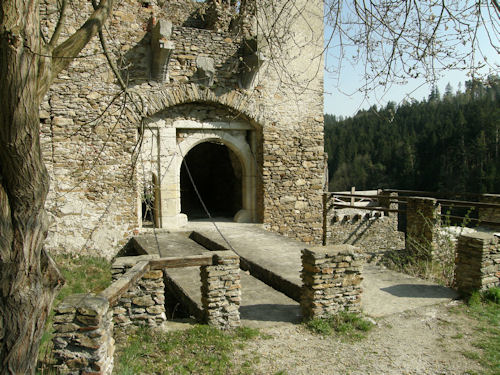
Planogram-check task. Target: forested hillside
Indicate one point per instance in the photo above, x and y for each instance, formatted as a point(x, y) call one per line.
point(444, 143)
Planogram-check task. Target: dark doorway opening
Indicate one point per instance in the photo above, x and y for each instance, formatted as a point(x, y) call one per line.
point(216, 172)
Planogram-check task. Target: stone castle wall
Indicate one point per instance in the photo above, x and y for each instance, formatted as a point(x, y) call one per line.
point(90, 130)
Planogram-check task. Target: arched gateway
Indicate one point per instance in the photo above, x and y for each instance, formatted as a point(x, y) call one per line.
point(211, 157)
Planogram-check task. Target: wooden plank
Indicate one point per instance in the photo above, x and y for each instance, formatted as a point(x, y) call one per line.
point(455, 203)
point(113, 292)
point(368, 208)
point(470, 219)
point(433, 194)
point(177, 262)
point(347, 195)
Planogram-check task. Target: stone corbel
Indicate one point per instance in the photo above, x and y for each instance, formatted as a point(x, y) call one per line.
point(162, 48)
point(205, 71)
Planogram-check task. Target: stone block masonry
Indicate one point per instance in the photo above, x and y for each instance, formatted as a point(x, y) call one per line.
point(477, 265)
point(83, 335)
point(221, 290)
point(374, 234)
point(490, 214)
point(89, 132)
point(144, 302)
point(422, 224)
point(331, 277)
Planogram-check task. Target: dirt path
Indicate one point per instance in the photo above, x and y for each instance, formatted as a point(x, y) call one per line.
point(428, 340)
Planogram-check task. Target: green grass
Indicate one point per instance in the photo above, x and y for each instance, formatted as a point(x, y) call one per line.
point(199, 350)
point(485, 308)
point(345, 324)
point(83, 274)
point(440, 272)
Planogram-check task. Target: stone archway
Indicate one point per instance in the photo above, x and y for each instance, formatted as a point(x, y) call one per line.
point(237, 136)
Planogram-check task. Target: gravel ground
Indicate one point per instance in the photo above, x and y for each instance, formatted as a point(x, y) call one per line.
point(428, 340)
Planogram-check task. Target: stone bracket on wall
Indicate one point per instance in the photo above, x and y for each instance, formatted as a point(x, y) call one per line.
point(205, 71)
point(162, 48)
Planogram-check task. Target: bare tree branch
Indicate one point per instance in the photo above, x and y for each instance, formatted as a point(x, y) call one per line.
point(59, 26)
point(497, 6)
point(64, 53)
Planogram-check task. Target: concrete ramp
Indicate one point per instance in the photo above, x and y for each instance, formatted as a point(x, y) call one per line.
point(261, 305)
point(271, 281)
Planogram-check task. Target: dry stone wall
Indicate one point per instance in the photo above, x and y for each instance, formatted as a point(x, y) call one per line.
point(490, 214)
point(90, 130)
point(331, 277)
point(422, 225)
point(221, 290)
point(477, 264)
point(83, 336)
point(371, 231)
point(144, 302)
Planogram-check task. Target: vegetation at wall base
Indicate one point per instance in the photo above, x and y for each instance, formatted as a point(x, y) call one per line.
point(82, 274)
point(198, 350)
point(440, 272)
point(432, 261)
point(346, 324)
point(485, 308)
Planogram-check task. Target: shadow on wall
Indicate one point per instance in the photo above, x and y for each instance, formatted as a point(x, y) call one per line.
point(357, 233)
point(135, 65)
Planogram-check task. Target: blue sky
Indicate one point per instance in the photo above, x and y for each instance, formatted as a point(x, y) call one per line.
point(342, 97)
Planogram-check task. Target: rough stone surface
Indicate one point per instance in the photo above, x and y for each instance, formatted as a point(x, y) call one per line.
point(477, 265)
point(331, 277)
point(371, 232)
point(83, 336)
point(221, 290)
point(144, 302)
point(89, 131)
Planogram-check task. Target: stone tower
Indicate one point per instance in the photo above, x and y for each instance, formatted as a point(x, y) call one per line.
point(221, 99)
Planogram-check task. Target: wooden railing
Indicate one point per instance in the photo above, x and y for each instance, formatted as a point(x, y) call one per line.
point(113, 292)
point(394, 201)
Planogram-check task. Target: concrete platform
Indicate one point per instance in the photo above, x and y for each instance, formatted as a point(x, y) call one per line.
point(261, 305)
point(275, 260)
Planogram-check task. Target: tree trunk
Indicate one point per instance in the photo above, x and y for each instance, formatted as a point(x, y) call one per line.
point(28, 277)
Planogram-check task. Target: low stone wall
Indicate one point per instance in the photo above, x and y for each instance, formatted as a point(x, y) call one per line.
point(331, 278)
point(83, 335)
point(144, 302)
point(221, 290)
point(368, 230)
point(477, 264)
point(83, 324)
